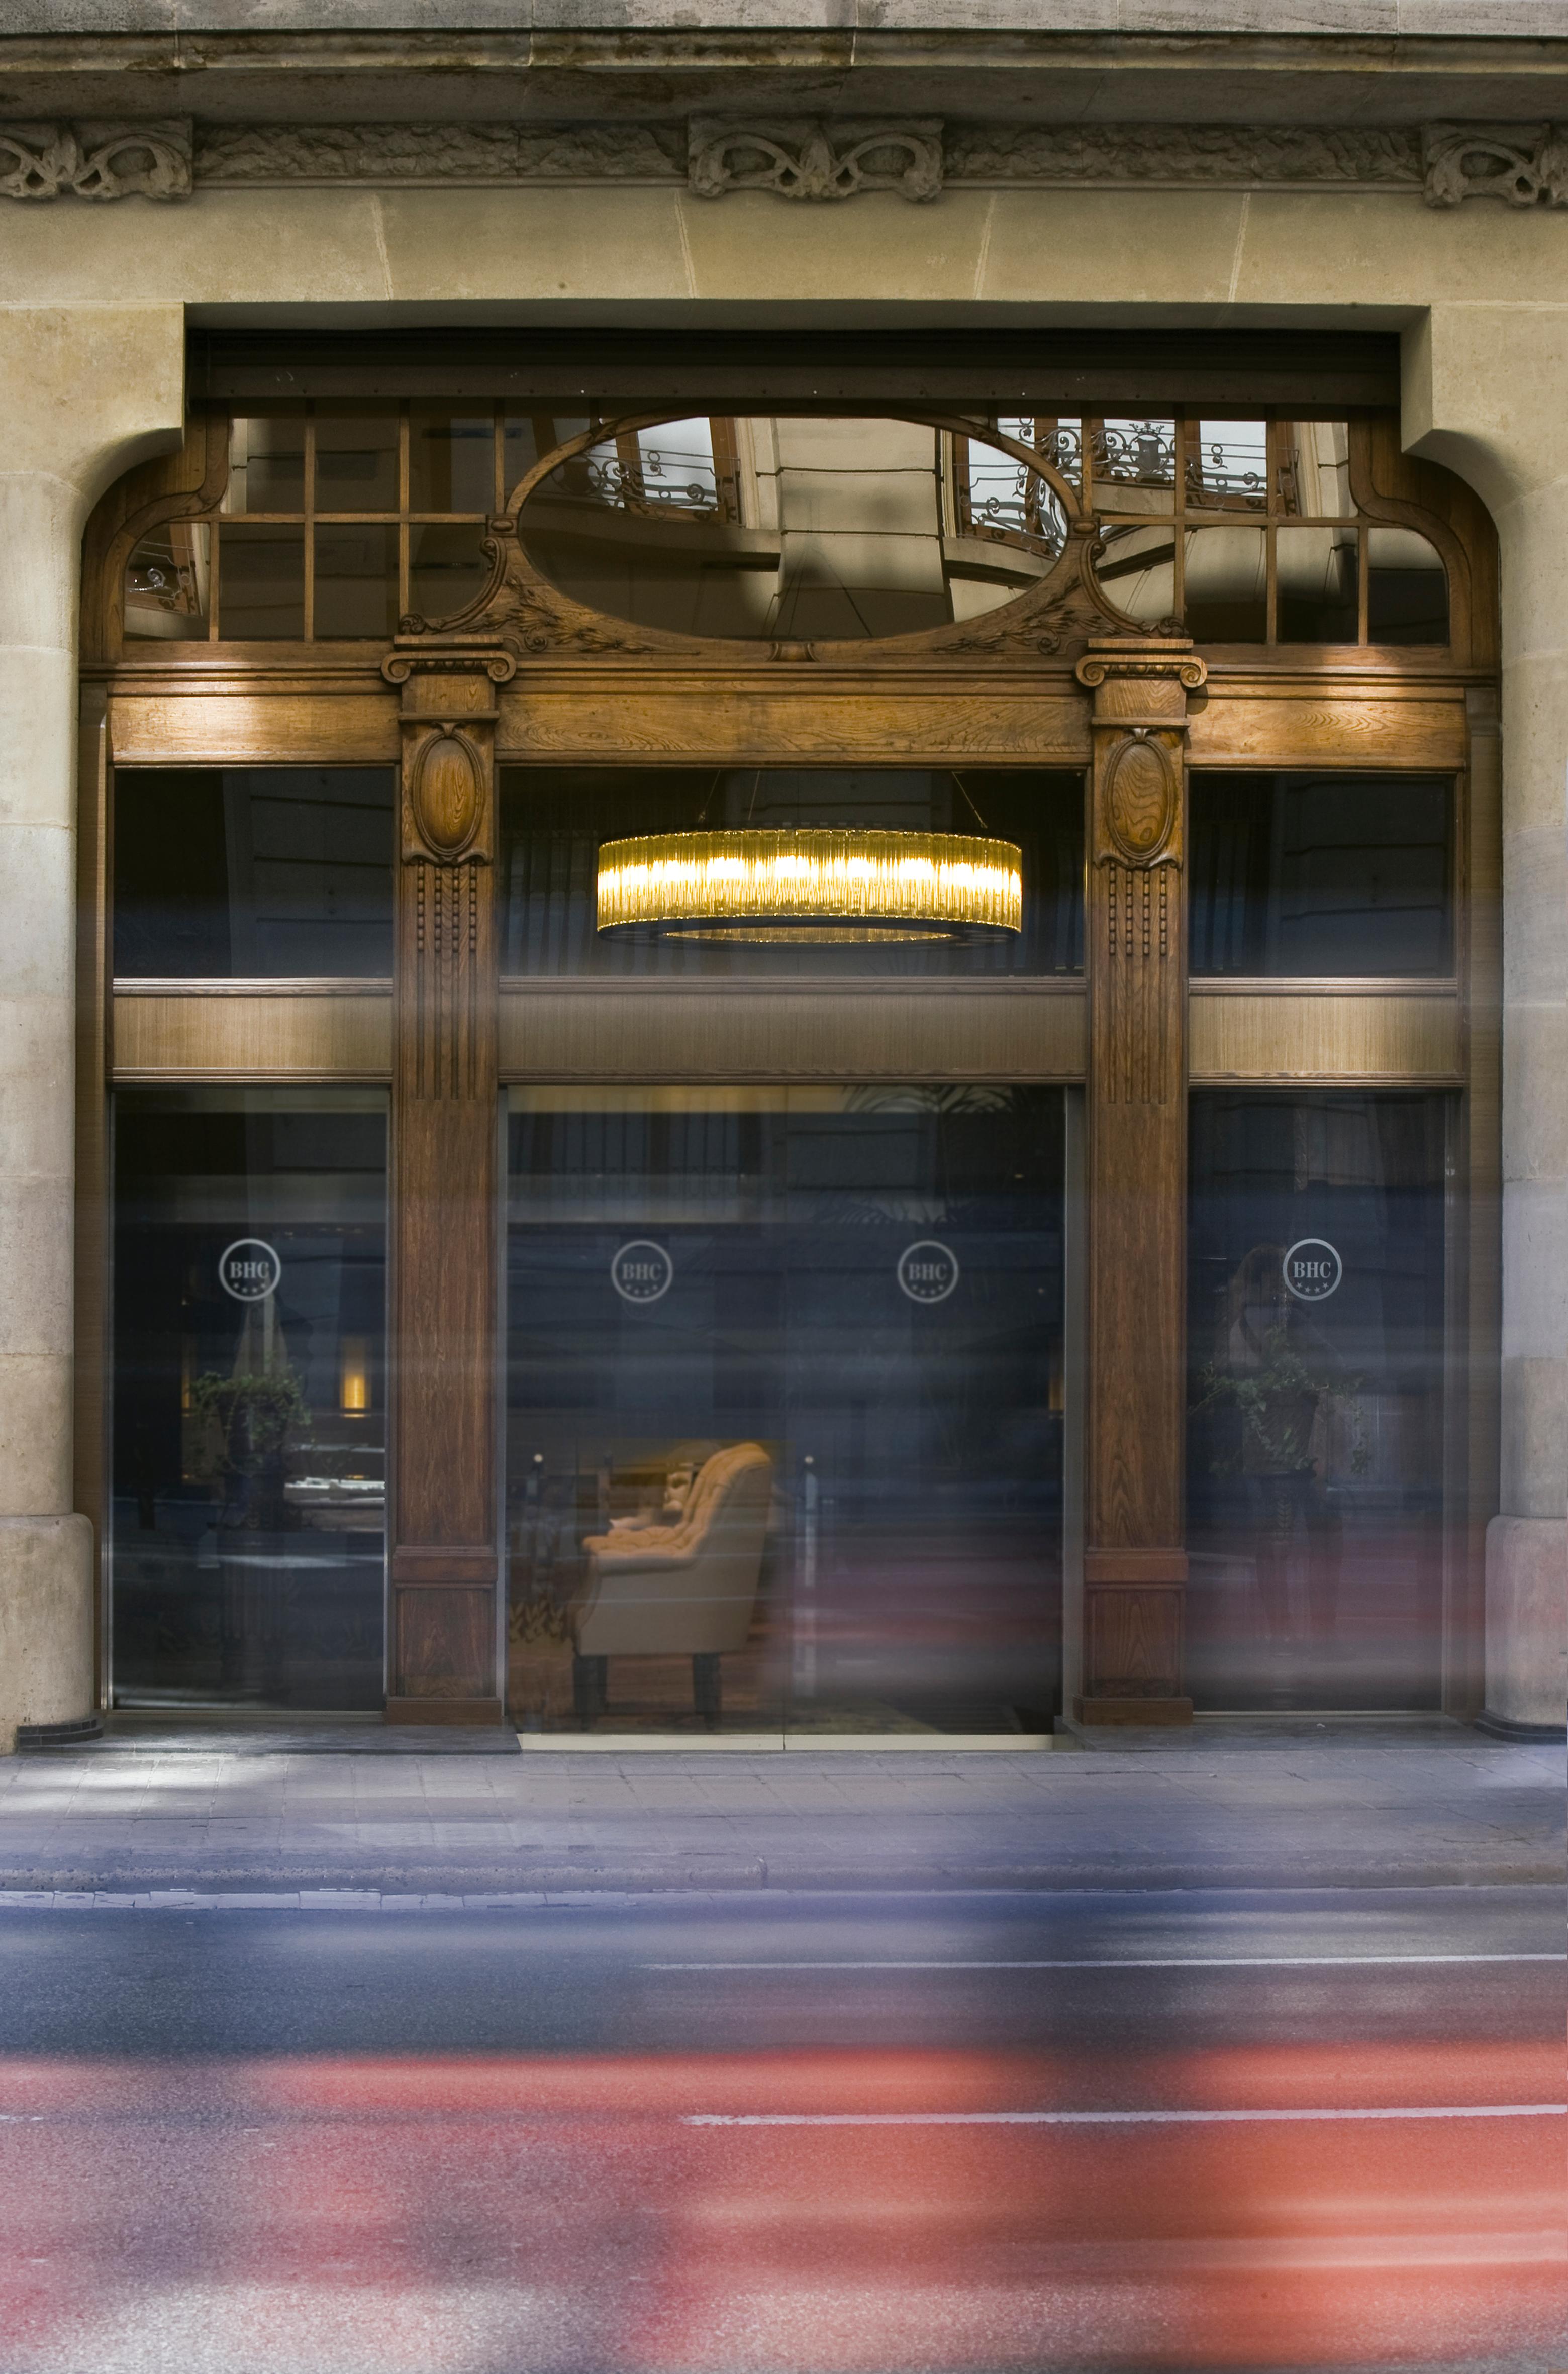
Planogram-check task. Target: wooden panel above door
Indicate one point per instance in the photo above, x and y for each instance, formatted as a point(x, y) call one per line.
point(1350, 725)
point(796, 713)
point(230, 723)
point(757, 1031)
point(1390, 1033)
point(798, 718)
point(248, 1030)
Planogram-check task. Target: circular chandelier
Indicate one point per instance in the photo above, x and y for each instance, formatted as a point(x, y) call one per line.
point(812, 885)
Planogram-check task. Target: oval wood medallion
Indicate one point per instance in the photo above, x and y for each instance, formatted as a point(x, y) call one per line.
point(446, 794)
point(1141, 799)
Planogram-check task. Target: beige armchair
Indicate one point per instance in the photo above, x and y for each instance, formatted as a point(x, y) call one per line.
point(686, 1590)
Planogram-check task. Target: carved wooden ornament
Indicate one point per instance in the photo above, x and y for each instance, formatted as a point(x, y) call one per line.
point(1141, 800)
point(447, 791)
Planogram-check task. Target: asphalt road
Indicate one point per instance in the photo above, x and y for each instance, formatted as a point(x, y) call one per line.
point(789, 2136)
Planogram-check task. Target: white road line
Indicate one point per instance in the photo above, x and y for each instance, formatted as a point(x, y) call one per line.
point(1104, 2118)
point(1126, 1962)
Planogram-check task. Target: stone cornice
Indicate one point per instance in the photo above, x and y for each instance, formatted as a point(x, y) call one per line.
point(817, 158)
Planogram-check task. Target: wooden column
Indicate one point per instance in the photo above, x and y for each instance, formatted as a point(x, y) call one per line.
point(1134, 1557)
point(445, 1561)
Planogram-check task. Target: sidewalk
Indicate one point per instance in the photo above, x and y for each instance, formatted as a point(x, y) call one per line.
point(1236, 1805)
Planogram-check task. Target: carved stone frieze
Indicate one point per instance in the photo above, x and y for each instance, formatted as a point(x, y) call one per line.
point(93, 159)
point(1175, 154)
point(431, 154)
point(1523, 164)
point(816, 159)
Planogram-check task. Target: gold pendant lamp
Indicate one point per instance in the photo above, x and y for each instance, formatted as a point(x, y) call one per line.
point(811, 885)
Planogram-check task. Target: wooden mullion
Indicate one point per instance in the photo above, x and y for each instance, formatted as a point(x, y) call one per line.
point(404, 475)
point(310, 528)
point(1363, 580)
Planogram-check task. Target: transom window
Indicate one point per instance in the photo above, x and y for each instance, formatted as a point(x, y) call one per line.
point(338, 519)
point(1247, 531)
point(341, 517)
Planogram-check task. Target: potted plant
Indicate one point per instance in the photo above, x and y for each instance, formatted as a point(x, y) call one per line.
point(1277, 1402)
point(248, 1421)
point(1278, 1399)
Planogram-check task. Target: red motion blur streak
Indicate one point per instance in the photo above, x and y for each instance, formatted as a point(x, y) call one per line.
point(499, 2213)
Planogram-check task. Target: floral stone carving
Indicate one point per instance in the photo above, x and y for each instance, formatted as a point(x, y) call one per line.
point(816, 159)
point(94, 159)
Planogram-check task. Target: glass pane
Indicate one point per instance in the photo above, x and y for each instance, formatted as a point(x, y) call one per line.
point(1060, 442)
point(525, 437)
point(1407, 594)
point(169, 584)
point(791, 530)
point(446, 568)
point(1227, 584)
point(1008, 527)
point(553, 820)
point(1229, 466)
point(266, 463)
point(1134, 464)
point(784, 1409)
point(1318, 584)
point(1139, 572)
point(249, 1422)
point(356, 582)
point(451, 458)
point(356, 458)
point(1314, 1476)
point(255, 872)
point(1313, 468)
point(1321, 874)
point(261, 593)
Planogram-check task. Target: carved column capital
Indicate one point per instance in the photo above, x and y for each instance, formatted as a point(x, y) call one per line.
point(1166, 667)
point(448, 727)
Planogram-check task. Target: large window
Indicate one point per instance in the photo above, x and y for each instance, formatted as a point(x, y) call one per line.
point(1315, 1330)
point(1346, 875)
point(339, 518)
point(554, 819)
point(255, 873)
point(784, 1408)
point(250, 1396)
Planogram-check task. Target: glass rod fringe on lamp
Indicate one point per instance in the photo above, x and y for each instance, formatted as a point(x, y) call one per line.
point(811, 885)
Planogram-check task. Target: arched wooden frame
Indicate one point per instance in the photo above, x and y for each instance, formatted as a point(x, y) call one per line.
point(531, 611)
point(1048, 621)
point(1018, 659)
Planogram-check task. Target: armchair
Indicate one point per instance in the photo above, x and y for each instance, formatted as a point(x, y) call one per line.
point(676, 1591)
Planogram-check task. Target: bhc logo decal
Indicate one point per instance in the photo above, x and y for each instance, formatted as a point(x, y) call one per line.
point(641, 1271)
point(249, 1269)
point(927, 1270)
point(1312, 1270)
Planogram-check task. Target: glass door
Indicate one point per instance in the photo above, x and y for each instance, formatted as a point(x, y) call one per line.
point(248, 1523)
point(784, 1410)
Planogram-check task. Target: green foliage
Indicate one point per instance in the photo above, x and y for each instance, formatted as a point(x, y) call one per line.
point(248, 1419)
point(1278, 1404)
